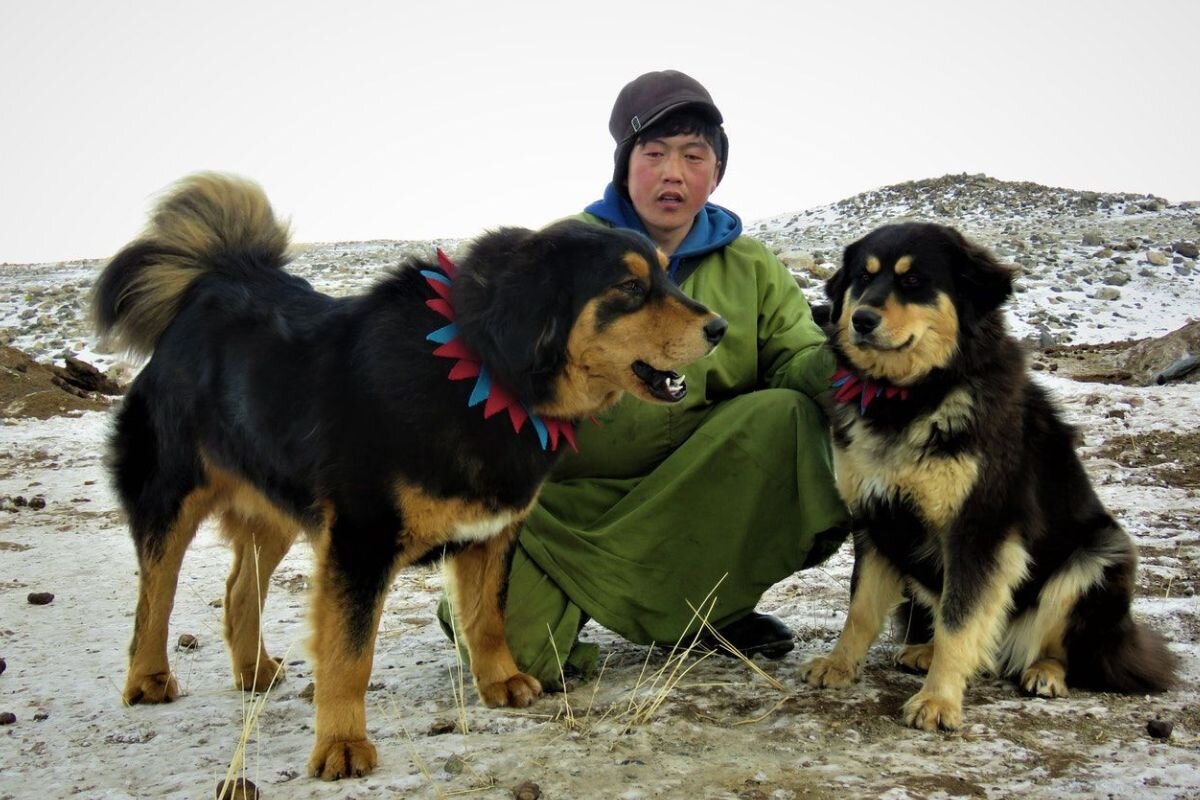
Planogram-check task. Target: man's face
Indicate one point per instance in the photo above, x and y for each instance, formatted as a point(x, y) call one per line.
point(670, 180)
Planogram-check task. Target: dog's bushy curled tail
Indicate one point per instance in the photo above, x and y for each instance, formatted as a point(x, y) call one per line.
point(207, 221)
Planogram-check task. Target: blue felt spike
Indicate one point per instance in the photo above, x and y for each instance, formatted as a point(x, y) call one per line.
point(841, 381)
point(483, 387)
point(437, 276)
point(540, 427)
point(444, 334)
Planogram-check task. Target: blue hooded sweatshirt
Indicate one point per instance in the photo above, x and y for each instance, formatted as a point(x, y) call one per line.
point(713, 228)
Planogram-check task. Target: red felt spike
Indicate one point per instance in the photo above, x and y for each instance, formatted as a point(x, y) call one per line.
point(455, 349)
point(498, 399)
point(568, 432)
point(442, 289)
point(463, 369)
point(552, 433)
point(518, 416)
point(446, 264)
point(442, 307)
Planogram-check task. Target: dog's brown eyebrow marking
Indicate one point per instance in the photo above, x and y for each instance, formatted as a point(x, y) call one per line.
point(638, 265)
point(873, 265)
point(903, 264)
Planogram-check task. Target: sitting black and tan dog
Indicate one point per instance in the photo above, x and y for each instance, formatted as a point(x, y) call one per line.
point(396, 427)
point(966, 489)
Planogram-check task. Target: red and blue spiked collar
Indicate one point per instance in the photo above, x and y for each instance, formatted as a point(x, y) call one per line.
point(851, 388)
point(467, 364)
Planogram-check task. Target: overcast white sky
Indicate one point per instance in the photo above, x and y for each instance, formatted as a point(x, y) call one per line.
point(405, 120)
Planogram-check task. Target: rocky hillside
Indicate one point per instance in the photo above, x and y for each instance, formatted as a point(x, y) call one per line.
point(1095, 267)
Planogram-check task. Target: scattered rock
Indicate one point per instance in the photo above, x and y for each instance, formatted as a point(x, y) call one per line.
point(440, 727)
point(1160, 728)
point(1187, 249)
point(188, 641)
point(37, 503)
point(41, 716)
point(527, 790)
point(237, 789)
point(3, 666)
point(1158, 258)
point(1107, 293)
point(308, 692)
point(7, 718)
point(40, 598)
point(454, 765)
point(1117, 278)
point(1093, 238)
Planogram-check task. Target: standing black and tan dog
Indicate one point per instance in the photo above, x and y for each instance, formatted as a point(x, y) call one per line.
point(279, 409)
point(966, 489)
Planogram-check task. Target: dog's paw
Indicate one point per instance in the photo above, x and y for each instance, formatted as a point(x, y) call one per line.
point(915, 657)
point(333, 760)
point(260, 677)
point(929, 712)
point(157, 688)
point(828, 672)
point(517, 691)
point(1045, 678)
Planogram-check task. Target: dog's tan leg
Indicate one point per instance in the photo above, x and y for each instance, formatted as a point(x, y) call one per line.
point(346, 608)
point(258, 547)
point(477, 578)
point(967, 641)
point(877, 590)
point(149, 679)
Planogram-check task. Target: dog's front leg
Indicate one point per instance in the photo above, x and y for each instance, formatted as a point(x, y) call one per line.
point(876, 588)
point(478, 575)
point(968, 624)
point(348, 592)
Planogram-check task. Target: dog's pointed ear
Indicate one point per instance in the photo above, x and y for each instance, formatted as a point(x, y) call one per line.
point(984, 283)
point(835, 287)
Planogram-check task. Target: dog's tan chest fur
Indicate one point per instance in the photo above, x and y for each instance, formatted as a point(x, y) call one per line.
point(883, 469)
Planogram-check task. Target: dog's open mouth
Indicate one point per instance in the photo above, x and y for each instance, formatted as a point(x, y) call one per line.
point(664, 385)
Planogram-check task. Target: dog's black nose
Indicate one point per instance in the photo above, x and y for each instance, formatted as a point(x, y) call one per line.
point(714, 331)
point(865, 320)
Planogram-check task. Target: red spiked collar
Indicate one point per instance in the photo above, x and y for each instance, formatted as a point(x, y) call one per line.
point(851, 388)
point(494, 396)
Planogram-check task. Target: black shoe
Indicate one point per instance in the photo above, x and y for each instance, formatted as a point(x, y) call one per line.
point(753, 635)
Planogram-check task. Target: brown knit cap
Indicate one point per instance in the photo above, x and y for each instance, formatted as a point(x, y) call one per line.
point(647, 99)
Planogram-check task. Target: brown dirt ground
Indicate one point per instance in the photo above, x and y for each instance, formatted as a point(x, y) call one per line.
point(30, 389)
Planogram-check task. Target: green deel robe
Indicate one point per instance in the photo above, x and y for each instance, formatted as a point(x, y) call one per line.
point(728, 488)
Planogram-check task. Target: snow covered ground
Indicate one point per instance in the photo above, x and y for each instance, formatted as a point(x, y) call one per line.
point(722, 731)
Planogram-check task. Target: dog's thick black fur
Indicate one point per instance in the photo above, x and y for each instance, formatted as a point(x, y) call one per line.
point(967, 493)
point(280, 409)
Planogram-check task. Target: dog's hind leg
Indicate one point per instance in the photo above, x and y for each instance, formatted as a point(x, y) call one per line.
point(149, 679)
point(258, 546)
point(876, 589)
point(968, 625)
point(478, 575)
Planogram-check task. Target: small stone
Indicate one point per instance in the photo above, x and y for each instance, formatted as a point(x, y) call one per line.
point(1187, 249)
point(7, 718)
point(1093, 238)
point(3, 666)
point(188, 641)
point(41, 716)
point(1160, 728)
point(527, 791)
point(453, 766)
point(40, 598)
point(237, 789)
point(1157, 258)
point(37, 503)
point(440, 727)
point(308, 692)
